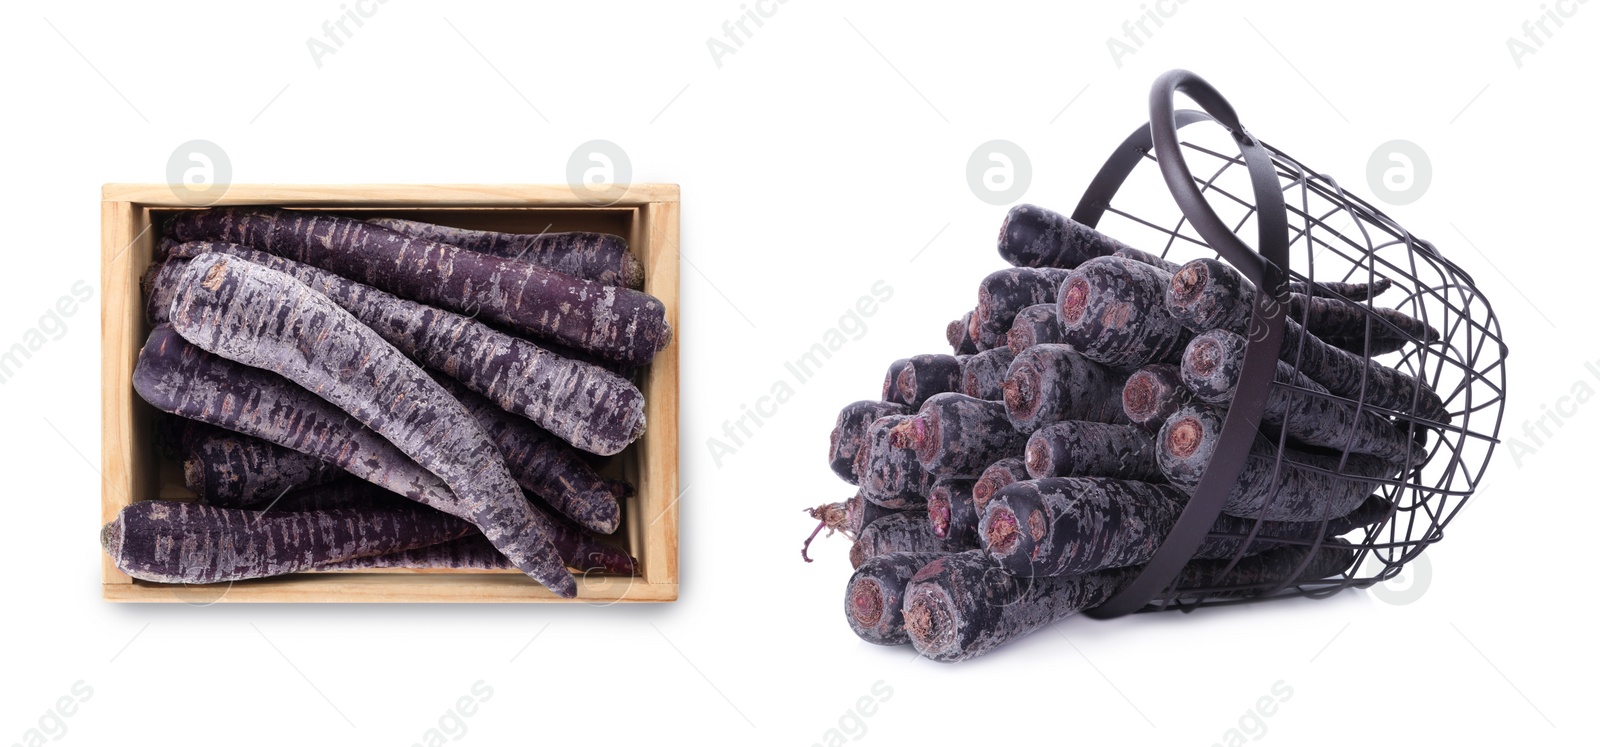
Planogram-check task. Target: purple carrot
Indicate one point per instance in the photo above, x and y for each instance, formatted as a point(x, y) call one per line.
point(174, 542)
point(983, 374)
point(1258, 574)
point(586, 405)
point(1078, 448)
point(954, 435)
point(1006, 292)
point(958, 333)
point(1307, 487)
point(617, 323)
point(1112, 311)
point(600, 257)
point(906, 531)
point(848, 517)
point(996, 476)
point(264, 318)
point(890, 475)
point(952, 513)
point(891, 381)
point(926, 375)
point(1039, 324)
point(1212, 365)
point(1032, 236)
point(1153, 393)
point(872, 599)
point(1051, 383)
point(850, 432)
point(1072, 525)
point(976, 335)
point(1137, 255)
point(232, 470)
point(1207, 295)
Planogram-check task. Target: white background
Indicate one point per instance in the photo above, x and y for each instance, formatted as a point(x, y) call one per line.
point(825, 154)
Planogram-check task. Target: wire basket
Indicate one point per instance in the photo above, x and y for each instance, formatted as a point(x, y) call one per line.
point(1217, 189)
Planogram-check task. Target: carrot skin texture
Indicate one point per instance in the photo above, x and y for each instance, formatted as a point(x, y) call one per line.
point(264, 318)
point(601, 257)
point(1299, 493)
point(1153, 393)
point(1145, 257)
point(983, 374)
point(1113, 311)
point(616, 323)
point(1077, 448)
point(471, 552)
point(1208, 295)
point(1051, 383)
point(964, 605)
point(873, 598)
point(891, 381)
point(544, 464)
point(1038, 324)
point(850, 432)
point(954, 435)
point(890, 475)
point(952, 513)
point(927, 375)
point(586, 405)
point(905, 531)
point(1032, 236)
point(231, 470)
point(996, 476)
point(1004, 293)
point(1212, 366)
point(1072, 525)
point(177, 542)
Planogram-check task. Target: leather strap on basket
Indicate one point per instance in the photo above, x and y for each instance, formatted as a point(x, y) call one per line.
point(1266, 324)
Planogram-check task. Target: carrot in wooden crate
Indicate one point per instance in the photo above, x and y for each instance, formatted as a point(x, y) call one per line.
point(1153, 393)
point(1304, 487)
point(601, 257)
point(850, 431)
point(264, 318)
point(619, 324)
point(586, 405)
point(1113, 312)
point(1078, 448)
point(1051, 383)
point(232, 470)
point(873, 598)
point(954, 435)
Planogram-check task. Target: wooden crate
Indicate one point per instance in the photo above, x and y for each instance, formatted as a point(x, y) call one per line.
point(134, 470)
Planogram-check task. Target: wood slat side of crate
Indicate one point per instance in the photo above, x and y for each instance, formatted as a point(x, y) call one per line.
point(132, 466)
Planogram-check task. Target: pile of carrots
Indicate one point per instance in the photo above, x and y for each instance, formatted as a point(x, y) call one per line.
point(347, 394)
point(1029, 473)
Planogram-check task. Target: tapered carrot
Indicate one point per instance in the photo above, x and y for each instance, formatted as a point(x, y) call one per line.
point(1036, 325)
point(586, 405)
point(1153, 393)
point(983, 375)
point(1032, 236)
point(1077, 448)
point(954, 435)
point(264, 318)
point(1208, 294)
point(617, 323)
point(905, 531)
point(1112, 312)
point(1005, 292)
point(232, 470)
point(890, 475)
point(600, 257)
point(175, 542)
point(873, 598)
point(996, 476)
point(1300, 487)
point(1212, 365)
point(850, 431)
point(1051, 383)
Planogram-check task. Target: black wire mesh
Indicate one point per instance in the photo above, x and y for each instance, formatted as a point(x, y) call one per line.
point(1336, 236)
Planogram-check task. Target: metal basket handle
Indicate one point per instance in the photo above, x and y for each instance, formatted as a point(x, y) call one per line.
point(1264, 268)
